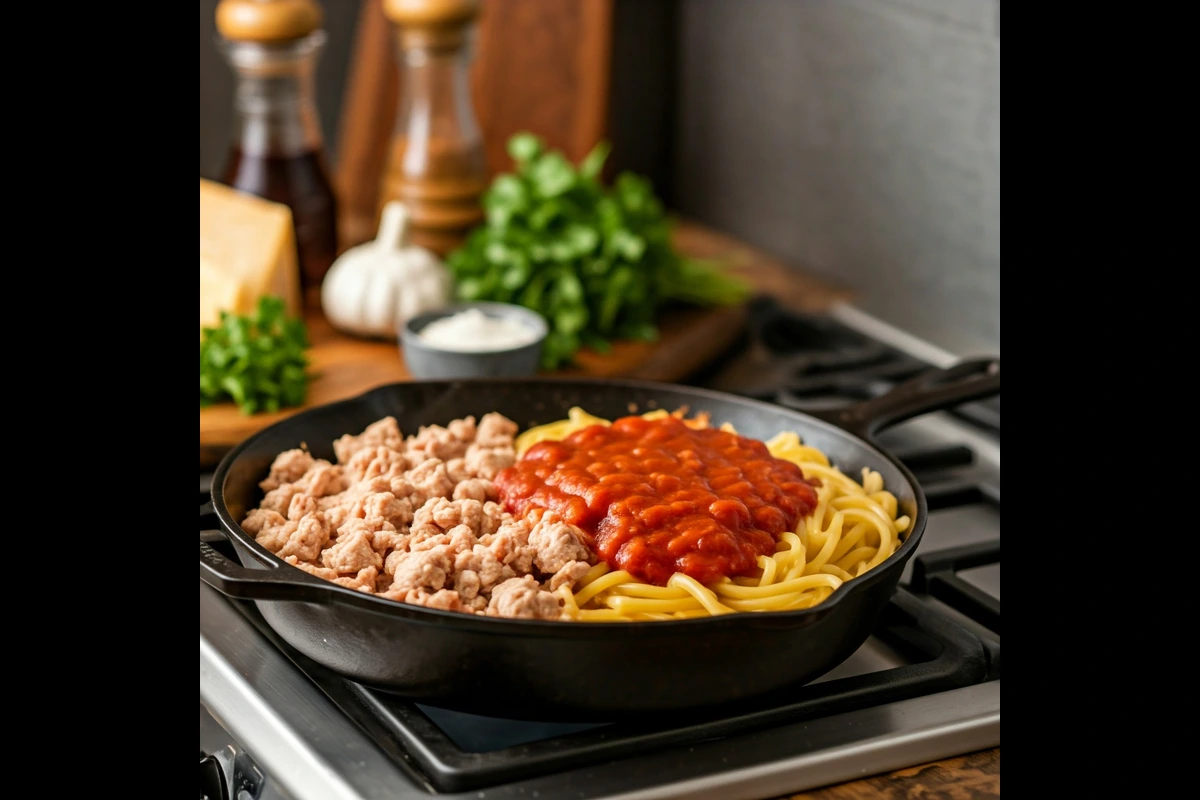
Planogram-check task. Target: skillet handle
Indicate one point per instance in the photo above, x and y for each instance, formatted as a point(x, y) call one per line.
point(934, 390)
point(210, 524)
point(243, 583)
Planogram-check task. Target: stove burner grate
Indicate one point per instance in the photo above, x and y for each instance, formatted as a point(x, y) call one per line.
point(454, 751)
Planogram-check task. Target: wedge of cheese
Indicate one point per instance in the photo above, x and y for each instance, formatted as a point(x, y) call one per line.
point(247, 249)
point(219, 292)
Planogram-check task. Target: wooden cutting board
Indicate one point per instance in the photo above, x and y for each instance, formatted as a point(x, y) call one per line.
point(344, 366)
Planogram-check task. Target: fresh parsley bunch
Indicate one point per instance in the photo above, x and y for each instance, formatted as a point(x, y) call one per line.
point(256, 361)
point(595, 261)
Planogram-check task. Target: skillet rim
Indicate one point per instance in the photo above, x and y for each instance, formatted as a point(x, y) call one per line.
point(342, 595)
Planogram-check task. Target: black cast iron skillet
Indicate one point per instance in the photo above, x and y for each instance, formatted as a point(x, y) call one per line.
point(555, 670)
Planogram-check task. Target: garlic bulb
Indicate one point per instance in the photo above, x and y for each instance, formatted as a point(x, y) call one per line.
point(374, 288)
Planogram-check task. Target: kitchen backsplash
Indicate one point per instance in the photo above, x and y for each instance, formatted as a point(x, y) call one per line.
point(859, 139)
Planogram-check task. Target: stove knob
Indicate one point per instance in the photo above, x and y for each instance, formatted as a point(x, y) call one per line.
point(248, 780)
point(212, 778)
point(230, 774)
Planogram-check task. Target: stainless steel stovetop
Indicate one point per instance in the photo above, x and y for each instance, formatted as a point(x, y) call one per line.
point(925, 686)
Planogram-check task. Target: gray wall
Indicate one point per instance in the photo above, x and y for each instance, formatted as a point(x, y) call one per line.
point(859, 139)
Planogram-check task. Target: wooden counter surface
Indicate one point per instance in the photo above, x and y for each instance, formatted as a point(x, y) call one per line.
point(974, 775)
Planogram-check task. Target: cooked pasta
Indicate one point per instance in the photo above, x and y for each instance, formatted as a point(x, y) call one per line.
point(853, 529)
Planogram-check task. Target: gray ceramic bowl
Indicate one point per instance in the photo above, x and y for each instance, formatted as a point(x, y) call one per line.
point(426, 361)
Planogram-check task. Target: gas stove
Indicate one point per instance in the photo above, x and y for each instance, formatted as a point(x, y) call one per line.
point(925, 685)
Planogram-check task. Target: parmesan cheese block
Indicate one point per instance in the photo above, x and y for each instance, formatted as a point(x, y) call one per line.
point(247, 249)
point(218, 293)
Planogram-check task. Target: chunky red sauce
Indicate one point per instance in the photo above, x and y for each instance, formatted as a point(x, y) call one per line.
point(658, 497)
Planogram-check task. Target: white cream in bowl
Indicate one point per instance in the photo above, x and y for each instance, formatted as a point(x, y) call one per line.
point(472, 331)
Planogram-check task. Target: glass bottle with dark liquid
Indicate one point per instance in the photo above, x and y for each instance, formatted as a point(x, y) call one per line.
point(277, 148)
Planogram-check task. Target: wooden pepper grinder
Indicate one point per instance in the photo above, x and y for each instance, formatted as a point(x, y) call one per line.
point(436, 164)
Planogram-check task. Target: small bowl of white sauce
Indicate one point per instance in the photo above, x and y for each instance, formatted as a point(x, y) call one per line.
point(474, 340)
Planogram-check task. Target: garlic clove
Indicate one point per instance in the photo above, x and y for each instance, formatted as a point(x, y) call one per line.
point(373, 288)
point(393, 227)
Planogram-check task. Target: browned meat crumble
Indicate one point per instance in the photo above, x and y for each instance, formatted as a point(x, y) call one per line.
point(416, 520)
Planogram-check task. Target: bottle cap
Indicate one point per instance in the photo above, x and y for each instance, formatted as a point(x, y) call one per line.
point(267, 20)
point(432, 23)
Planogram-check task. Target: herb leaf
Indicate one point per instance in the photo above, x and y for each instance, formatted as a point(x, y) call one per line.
point(596, 261)
point(258, 361)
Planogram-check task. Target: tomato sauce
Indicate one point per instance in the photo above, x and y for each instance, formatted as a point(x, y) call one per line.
point(658, 497)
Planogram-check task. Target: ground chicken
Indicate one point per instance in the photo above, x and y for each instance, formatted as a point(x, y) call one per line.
point(324, 479)
point(473, 488)
point(320, 572)
point(434, 441)
point(275, 536)
point(337, 516)
point(444, 599)
point(352, 553)
point(522, 597)
point(288, 467)
point(384, 433)
point(363, 582)
point(568, 575)
point(424, 569)
point(478, 572)
point(301, 506)
point(310, 536)
point(388, 540)
point(279, 498)
point(495, 430)
point(375, 462)
point(429, 480)
point(384, 505)
point(447, 514)
point(416, 521)
point(485, 462)
point(456, 468)
point(510, 545)
point(556, 544)
point(261, 518)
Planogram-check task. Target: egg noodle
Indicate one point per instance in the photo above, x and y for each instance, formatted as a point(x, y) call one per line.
point(852, 530)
